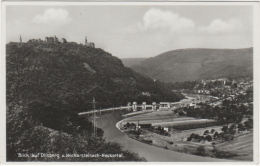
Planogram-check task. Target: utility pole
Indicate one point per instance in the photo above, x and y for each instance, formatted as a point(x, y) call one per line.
point(94, 118)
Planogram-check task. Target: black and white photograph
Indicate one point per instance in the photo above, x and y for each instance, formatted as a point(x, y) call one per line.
point(130, 82)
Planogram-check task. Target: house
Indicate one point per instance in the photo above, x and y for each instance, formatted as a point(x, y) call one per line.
point(192, 104)
point(166, 129)
point(207, 92)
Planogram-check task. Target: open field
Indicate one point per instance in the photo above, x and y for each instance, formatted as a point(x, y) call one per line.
point(241, 148)
point(242, 145)
point(178, 122)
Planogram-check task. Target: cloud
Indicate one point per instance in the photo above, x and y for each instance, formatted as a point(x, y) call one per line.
point(52, 16)
point(166, 20)
point(219, 26)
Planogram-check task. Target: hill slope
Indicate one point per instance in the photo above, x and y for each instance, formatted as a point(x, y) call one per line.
point(196, 64)
point(73, 72)
point(132, 61)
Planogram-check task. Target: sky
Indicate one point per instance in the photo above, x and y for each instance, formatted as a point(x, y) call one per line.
point(132, 31)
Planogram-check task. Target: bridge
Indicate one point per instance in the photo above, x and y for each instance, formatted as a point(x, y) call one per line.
point(104, 110)
point(134, 107)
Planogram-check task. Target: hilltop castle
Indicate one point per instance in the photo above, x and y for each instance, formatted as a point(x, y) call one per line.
point(56, 40)
point(91, 44)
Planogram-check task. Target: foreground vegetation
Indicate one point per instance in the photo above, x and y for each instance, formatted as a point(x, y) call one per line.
point(29, 132)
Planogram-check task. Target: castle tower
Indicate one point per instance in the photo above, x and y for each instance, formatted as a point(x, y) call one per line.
point(21, 39)
point(86, 41)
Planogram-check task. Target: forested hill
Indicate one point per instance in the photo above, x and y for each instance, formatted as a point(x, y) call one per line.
point(75, 74)
point(196, 64)
point(49, 83)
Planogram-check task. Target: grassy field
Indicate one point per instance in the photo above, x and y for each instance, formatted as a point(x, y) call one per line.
point(185, 124)
point(242, 145)
point(241, 148)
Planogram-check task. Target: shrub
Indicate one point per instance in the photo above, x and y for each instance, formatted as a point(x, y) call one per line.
point(224, 154)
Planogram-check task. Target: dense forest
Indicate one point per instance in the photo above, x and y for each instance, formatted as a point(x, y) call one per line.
point(49, 83)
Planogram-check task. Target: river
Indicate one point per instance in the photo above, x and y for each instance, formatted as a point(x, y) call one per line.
point(107, 122)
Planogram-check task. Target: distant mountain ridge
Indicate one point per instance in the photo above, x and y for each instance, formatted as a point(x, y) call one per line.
point(198, 63)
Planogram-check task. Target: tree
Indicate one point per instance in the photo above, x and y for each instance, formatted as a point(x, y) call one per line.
point(224, 129)
point(226, 103)
point(208, 138)
point(249, 124)
point(234, 85)
point(216, 135)
point(240, 127)
point(212, 131)
point(127, 125)
point(201, 151)
point(201, 138)
point(232, 129)
point(197, 136)
point(192, 135)
point(206, 132)
point(228, 137)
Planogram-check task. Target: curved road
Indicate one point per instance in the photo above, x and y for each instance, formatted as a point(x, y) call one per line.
point(151, 153)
